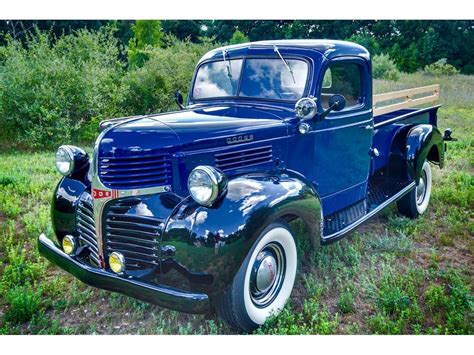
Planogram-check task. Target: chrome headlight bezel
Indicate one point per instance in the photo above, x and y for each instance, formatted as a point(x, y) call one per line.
point(216, 184)
point(306, 108)
point(65, 151)
point(75, 159)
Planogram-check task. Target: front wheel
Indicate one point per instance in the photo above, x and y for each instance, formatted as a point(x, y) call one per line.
point(416, 201)
point(263, 283)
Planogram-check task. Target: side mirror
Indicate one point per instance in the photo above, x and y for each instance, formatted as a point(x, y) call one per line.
point(336, 103)
point(178, 97)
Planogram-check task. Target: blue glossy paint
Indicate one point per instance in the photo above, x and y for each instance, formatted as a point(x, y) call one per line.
point(333, 156)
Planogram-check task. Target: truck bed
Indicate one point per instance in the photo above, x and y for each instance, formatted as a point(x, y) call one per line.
point(399, 111)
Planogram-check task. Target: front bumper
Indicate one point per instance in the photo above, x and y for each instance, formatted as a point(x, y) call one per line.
point(131, 286)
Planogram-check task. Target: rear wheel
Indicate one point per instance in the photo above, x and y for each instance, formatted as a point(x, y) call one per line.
point(416, 202)
point(263, 283)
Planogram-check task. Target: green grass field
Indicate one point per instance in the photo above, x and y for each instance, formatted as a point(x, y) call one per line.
point(392, 276)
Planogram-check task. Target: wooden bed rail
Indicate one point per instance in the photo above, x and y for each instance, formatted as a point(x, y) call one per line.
point(424, 95)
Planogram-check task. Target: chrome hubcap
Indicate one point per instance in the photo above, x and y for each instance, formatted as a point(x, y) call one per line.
point(267, 275)
point(421, 189)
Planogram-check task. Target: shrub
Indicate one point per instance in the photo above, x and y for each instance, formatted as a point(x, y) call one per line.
point(346, 302)
point(383, 67)
point(441, 68)
point(434, 297)
point(24, 303)
point(150, 89)
point(50, 86)
point(19, 270)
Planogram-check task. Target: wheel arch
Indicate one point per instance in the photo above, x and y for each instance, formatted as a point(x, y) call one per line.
point(411, 146)
point(423, 142)
point(223, 235)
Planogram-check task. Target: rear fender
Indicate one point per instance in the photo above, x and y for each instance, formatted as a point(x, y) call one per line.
point(423, 142)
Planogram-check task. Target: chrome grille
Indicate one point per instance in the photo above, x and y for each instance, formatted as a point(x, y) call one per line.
point(244, 158)
point(136, 237)
point(135, 171)
point(86, 228)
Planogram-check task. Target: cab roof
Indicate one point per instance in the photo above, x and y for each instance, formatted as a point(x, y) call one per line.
point(328, 48)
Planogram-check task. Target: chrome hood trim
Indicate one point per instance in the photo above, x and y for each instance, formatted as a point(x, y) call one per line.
point(102, 195)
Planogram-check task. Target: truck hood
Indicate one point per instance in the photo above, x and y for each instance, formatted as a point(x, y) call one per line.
point(196, 129)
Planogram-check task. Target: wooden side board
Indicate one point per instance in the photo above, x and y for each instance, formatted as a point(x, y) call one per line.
point(425, 94)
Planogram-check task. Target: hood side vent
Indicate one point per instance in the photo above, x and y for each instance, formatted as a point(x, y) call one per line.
point(135, 171)
point(244, 158)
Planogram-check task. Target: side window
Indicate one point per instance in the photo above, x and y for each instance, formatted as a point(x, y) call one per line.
point(344, 78)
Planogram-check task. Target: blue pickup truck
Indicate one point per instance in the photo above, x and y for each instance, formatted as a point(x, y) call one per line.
point(190, 209)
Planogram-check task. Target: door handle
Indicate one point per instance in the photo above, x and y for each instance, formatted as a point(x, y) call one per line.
point(367, 127)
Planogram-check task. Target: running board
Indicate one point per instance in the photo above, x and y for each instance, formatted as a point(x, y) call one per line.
point(379, 196)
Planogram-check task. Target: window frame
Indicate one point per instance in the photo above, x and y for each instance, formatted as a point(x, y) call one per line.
point(364, 75)
point(309, 79)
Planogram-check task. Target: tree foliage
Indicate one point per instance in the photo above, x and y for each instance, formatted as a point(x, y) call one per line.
point(146, 33)
point(59, 78)
point(238, 37)
point(411, 44)
point(150, 89)
point(51, 87)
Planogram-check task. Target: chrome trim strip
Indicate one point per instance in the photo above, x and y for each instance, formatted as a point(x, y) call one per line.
point(99, 203)
point(352, 226)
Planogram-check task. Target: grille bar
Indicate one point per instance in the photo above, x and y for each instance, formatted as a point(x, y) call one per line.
point(86, 229)
point(136, 237)
point(244, 158)
point(135, 171)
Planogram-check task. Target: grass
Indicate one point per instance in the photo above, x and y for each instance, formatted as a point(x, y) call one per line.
point(392, 276)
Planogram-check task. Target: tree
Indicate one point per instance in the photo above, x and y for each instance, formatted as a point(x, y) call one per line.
point(238, 37)
point(183, 29)
point(146, 33)
point(366, 40)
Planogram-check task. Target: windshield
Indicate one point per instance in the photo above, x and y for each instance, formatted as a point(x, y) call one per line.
point(267, 78)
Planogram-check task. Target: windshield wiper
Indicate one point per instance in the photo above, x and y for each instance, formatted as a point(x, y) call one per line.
point(275, 48)
point(229, 69)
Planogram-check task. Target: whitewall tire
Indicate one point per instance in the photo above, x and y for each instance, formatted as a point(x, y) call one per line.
point(264, 282)
point(416, 201)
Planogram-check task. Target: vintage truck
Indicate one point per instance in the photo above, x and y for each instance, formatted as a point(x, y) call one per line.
point(190, 209)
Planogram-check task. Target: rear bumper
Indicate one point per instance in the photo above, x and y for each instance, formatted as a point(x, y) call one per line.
point(149, 292)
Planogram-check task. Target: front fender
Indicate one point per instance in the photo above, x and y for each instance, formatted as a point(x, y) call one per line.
point(215, 240)
point(63, 207)
point(419, 146)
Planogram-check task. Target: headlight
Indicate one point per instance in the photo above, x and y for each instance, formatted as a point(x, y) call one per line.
point(70, 159)
point(64, 160)
point(306, 108)
point(206, 184)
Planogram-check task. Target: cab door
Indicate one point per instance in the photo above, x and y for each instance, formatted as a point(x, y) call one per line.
point(343, 139)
